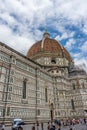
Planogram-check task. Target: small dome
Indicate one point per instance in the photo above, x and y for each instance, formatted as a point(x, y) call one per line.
point(48, 45)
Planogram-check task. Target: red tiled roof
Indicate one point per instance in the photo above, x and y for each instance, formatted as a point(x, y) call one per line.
point(50, 46)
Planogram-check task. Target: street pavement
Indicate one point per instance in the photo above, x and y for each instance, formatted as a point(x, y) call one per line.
point(75, 127)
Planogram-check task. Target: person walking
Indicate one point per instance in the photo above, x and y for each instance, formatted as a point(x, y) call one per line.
point(52, 127)
point(33, 127)
point(37, 125)
point(48, 126)
point(57, 125)
point(70, 129)
point(20, 128)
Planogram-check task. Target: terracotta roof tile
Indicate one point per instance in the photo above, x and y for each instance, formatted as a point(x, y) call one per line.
point(49, 45)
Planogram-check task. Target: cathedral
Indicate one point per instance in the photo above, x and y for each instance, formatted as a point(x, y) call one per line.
point(43, 85)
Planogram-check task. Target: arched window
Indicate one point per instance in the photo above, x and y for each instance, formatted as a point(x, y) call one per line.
point(53, 61)
point(24, 89)
point(72, 104)
point(8, 111)
point(73, 86)
point(83, 86)
point(46, 98)
point(38, 112)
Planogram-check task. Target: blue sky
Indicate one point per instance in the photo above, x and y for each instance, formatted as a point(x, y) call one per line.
point(23, 22)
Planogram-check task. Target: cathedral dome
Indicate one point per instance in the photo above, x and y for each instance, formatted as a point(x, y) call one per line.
point(48, 46)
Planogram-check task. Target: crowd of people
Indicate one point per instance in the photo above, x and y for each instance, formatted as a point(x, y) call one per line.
point(58, 124)
point(54, 125)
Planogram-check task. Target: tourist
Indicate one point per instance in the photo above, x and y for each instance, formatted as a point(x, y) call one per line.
point(20, 128)
point(37, 125)
point(57, 124)
point(48, 127)
point(33, 127)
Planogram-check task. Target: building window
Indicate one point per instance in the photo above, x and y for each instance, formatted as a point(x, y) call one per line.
point(38, 112)
point(10, 88)
point(72, 104)
point(46, 98)
point(11, 79)
point(9, 96)
point(38, 101)
point(24, 89)
point(73, 86)
point(58, 113)
point(8, 111)
point(53, 61)
point(83, 86)
point(12, 72)
point(57, 71)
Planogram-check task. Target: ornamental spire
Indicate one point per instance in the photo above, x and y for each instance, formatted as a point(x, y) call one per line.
point(45, 35)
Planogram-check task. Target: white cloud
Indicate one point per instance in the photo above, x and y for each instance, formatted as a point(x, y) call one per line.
point(20, 20)
point(64, 35)
point(82, 63)
point(84, 47)
point(85, 28)
point(76, 55)
point(20, 43)
point(74, 10)
point(70, 43)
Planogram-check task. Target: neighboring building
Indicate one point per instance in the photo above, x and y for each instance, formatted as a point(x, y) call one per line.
point(43, 85)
